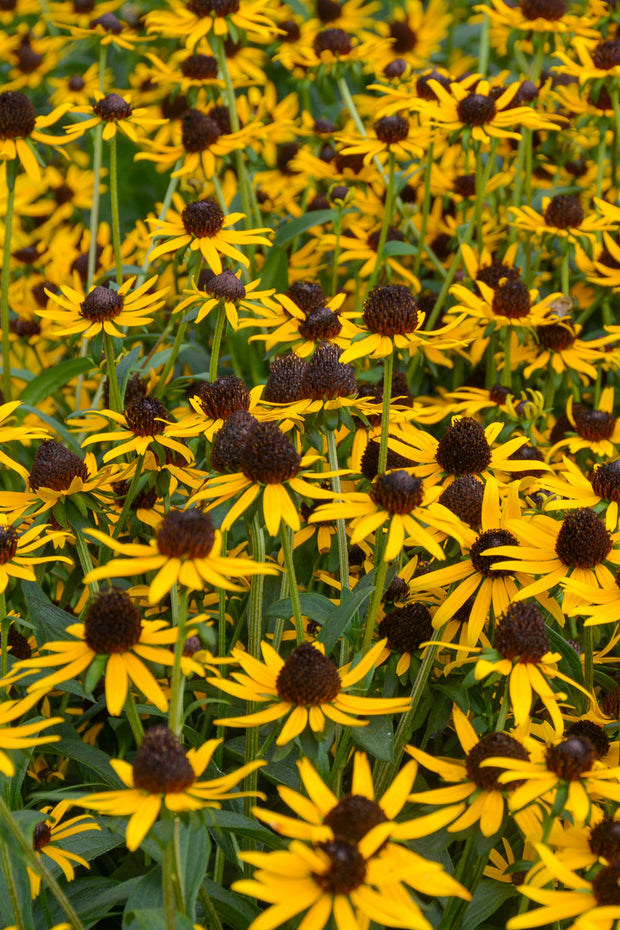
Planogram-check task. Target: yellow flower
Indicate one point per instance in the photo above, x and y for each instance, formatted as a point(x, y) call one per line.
point(20, 123)
point(115, 112)
point(49, 831)
point(306, 689)
point(194, 20)
point(15, 549)
point(163, 775)
point(186, 550)
point(23, 735)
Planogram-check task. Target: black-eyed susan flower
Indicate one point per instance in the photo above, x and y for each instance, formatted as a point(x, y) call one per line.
point(417, 30)
point(19, 434)
point(16, 546)
point(20, 123)
point(113, 627)
point(262, 462)
point(202, 226)
point(145, 424)
point(394, 134)
point(398, 499)
point(114, 113)
point(194, 20)
point(163, 775)
point(298, 318)
point(521, 653)
point(596, 428)
point(106, 28)
point(227, 290)
point(476, 794)
point(48, 832)
point(405, 629)
point(22, 735)
point(576, 547)
point(563, 216)
point(103, 309)
point(306, 688)
point(186, 549)
point(558, 344)
point(539, 16)
point(571, 488)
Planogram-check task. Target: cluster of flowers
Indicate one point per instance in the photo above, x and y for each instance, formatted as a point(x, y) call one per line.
point(309, 453)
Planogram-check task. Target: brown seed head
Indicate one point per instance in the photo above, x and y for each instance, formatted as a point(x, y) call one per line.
point(199, 67)
point(583, 540)
point(285, 377)
point(391, 129)
point(397, 492)
point(199, 131)
point(391, 310)
point(489, 746)
point(186, 533)
point(492, 274)
point(203, 218)
point(102, 303)
point(404, 36)
point(17, 115)
point(464, 499)
point(229, 442)
point(550, 10)
point(556, 337)
point(113, 623)
point(42, 835)
point(491, 539)
point(55, 467)
point(336, 41)
point(8, 543)
point(320, 324)
point(564, 211)
point(593, 424)
point(353, 817)
point(269, 456)
point(407, 627)
point(463, 449)
point(203, 8)
point(113, 107)
point(325, 378)
point(147, 416)
point(220, 398)
point(511, 300)
point(226, 286)
point(308, 678)
point(476, 110)
point(347, 869)
point(307, 295)
point(571, 758)
point(161, 766)
point(606, 886)
point(604, 839)
point(370, 460)
point(521, 633)
point(108, 22)
point(605, 480)
point(594, 733)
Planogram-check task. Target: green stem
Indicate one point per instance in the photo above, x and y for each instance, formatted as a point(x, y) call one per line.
point(85, 561)
point(504, 707)
point(5, 623)
point(336, 255)
point(588, 658)
point(167, 874)
point(483, 48)
point(507, 369)
point(170, 362)
point(337, 767)
point(134, 718)
point(257, 589)
point(177, 681)
point(12, 887)
point(287, 549)
point(381, 568)
point(388, 368)
point(178, 886)
point(343, 550)
point(211, 917)
point(426, 206)
point(116, 222)
point(565, 272)
point(490, 370)
point(37, 866)
point(220, 325)
point(94, 209)
point(11, 173)
point(129, 498)
point(278, 628)
point(387, 218)
point(110, 359)
point(385, 772)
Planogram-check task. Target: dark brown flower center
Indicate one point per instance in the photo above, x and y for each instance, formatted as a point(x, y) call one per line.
point(526, 453)
point(42, 835)
point(463, 449)
point(186, 533)
point(219, 399)
point(606, 886)
point(18, 644)
point(465, 185)
point(397, 591)
point(464, 499)
point(498, 394)
point(321, 323)
point(405, 39)
point(28, 61)
point(594, 733)
point(476, 110)
point(199, 67)
point(347, 869)
point(202, 218)
point(17, 115)
point(285, 376)
point(583, 540)
point(490, 746)
point(353, 817)
point(391, 310)
point(112, 107)
point(213, 7)
point(77, 82)
point(328, 11)
point(336, 41)
point(199, 131)
point(556, 337)
point(226, 286)
point(604, 839)
point(521, 633)
point(395, 68)
point(370, 460)
point(491, 539)
point(307, 295)
point(55, 467)
point(397, 492)
point(393, 235)
point(423, 88)
point(492, 274)
point(269, 456)
point(145, 499)
point(291, 30)
point(112, 623)
point(512, 300)
point(407, 627)
point(550, 10)
point(391, 129)
point(564, 211)
point(606, 55)
point(605, 481)
point(325, 378)
point(230, 440)
point(593, 424)
point(8, 543)
point(160, 765)
point(571, 758)
point(102, 303)
point(147, 416)
point(108, 22)
point(308, 678)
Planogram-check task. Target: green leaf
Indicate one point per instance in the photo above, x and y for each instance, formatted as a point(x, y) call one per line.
point(56, 426)
point(377, 739)
point(22, 887)
point(274, 272)
point(230, 822)
point(50, 380)
point(340, 617)
point(154, 919)
point(302, 223)
point(488, 899)
point(316, 606)
point(237, 912)
point(399, 248)
point(194, 848)
point(50, 622)
point(94, 760)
